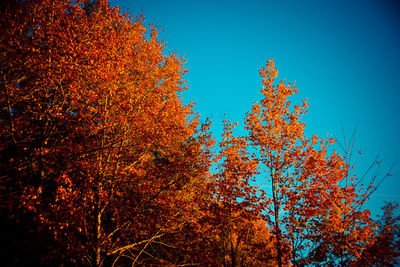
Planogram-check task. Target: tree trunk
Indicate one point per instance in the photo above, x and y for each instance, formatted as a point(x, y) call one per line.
point(98, 238)
point(277, 228)
point(99, 212)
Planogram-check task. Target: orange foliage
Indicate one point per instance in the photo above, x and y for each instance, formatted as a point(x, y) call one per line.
point(98, 145)
point(102, 164)
point(314, 214)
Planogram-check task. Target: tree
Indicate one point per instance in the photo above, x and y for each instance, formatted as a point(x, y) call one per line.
point(99, 155)
point(276, 132)
point(236, 210)
point(313, 214)
point(384, 250)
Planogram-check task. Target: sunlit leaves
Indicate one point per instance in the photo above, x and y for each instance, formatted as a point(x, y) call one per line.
point(102, 142)
point(313, 212)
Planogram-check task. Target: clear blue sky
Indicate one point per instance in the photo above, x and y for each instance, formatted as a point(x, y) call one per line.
point(343, 55)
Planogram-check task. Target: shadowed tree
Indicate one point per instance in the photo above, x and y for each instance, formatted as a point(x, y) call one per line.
point(99, 155)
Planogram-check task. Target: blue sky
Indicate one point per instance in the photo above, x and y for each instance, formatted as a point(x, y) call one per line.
point(343, 55)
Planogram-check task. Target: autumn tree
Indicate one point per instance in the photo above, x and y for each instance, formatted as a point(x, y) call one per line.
point(276, 133)
point(384, 248)
point(313, 213)
point(99, 157)
point(380, 247)
point(236, 209)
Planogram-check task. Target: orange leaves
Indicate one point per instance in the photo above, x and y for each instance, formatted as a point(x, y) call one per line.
point(31, 198)
point(309, 201)
point(100, 156)
point(97, 124)
point(271, 121)
point(237, 201)
point(237, 167)
point(64, 190)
